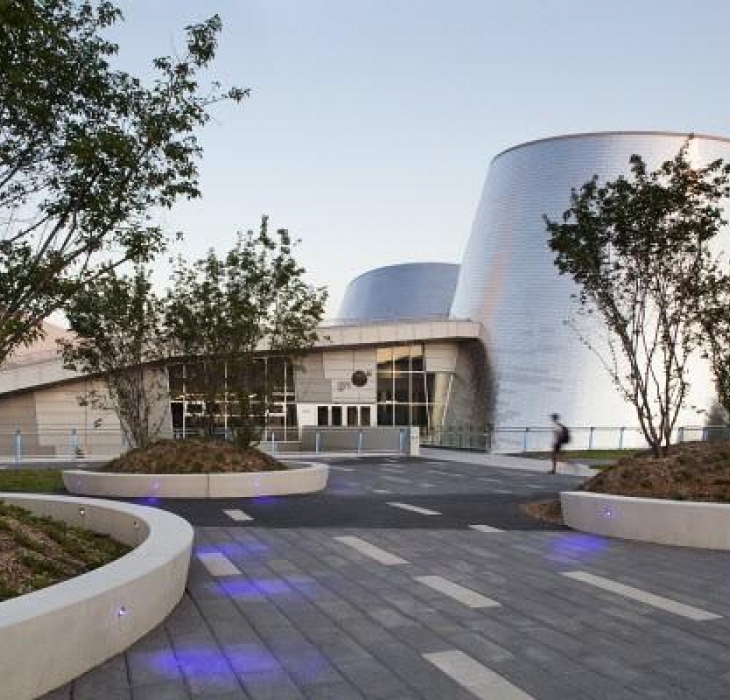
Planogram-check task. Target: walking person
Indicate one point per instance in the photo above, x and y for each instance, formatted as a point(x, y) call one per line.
point(561, 436)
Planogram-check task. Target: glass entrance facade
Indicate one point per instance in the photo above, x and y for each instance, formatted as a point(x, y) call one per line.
point(272, 396)
point(406, 393)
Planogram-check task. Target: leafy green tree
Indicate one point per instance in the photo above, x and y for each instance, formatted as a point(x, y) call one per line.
point(86, 152)
point(223, 312)
point(117, 324)
point(639, 249)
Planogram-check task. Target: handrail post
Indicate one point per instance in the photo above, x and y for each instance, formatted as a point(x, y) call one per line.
point(18, 446)
point(74, 444)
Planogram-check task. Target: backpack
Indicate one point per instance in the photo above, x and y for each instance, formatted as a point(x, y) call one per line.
point(564, 434)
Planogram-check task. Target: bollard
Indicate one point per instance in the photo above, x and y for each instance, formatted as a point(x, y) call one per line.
point(359, 442)
point(680, 435)
point(590, 438)
point(273, 443)
point(18, 446)
point(317, 441)
point(621, 438)
point(524, 441)
point(402, 441)
point(74, 444)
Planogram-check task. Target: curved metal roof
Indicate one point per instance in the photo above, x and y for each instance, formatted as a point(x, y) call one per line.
point(409, 290)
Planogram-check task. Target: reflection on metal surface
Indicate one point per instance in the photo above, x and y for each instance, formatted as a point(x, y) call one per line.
point(508, 280)
point(412, 290)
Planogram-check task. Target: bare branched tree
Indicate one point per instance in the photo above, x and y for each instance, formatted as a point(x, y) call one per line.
point(639, 249)
point(117, 326)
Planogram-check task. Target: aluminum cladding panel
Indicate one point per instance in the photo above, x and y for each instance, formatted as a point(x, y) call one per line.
point(509, 282)
point(408, 291)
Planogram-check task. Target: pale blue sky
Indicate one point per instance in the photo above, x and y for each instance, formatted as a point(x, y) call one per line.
point(372, 122)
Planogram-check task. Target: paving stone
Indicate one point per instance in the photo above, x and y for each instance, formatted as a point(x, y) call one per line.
point(308, 619)
point(373, 679)
point(169, 690)
point(270, 685)
point(251, 657)
point(204, 666)
point(331, 691)
point(155, 666)
point(110, 680)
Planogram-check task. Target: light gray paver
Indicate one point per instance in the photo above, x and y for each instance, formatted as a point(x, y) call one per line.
point(481, 681)
point(463, 595)
point(371, 551)
point(642, 596)
point(415, 509)
point(218, 564)
point(485, 528)
point(238, 515)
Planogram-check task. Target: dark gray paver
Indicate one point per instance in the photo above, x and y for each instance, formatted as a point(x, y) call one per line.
point(312, 619)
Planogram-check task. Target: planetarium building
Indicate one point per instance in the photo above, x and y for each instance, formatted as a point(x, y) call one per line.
point(482, 347)
point(508, 281)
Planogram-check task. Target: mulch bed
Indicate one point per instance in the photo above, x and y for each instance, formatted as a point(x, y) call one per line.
point(547, 511)
point(691, 471)
point(193, 456)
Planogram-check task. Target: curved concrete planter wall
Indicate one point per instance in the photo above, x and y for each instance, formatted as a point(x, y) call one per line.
point(306, 479)
point(54, 635)
point(681, 523)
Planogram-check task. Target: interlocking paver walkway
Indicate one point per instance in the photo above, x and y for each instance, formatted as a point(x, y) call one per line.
point(310, 617)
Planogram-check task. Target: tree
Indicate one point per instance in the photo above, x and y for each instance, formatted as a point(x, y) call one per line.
point(86, 152)
point(638, 248)
point(223, 313)
point(117, 324)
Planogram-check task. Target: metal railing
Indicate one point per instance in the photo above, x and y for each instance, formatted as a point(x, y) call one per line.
point(60, 444)
point(276, 434)
point(540, 438)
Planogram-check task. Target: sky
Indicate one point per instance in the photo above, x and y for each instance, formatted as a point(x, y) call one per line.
point(371, 123)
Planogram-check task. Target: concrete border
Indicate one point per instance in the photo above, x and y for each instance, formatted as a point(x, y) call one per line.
point(657, 520)
point(53, 635)
point(296, 480)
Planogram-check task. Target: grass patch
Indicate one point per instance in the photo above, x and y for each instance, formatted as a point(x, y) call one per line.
point(193, 456)
point(31, 480)
point(585, 454)
point(38, 552)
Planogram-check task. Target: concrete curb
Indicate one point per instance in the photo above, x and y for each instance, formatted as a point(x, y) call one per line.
point(661, 521)
point(299, 480)
point(55, 634)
